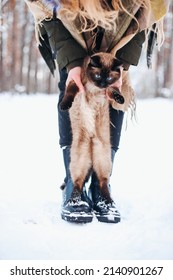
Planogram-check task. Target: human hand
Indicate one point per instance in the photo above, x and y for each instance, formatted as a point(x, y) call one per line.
point(75, 75)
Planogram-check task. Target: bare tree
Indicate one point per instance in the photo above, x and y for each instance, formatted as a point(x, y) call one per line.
point(22, 68)
point(21, 65)
point(164, 65)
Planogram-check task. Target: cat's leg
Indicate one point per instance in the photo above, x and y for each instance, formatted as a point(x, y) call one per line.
point(102, 166)
point(80, 164)
point(107, 212)
point(70, 93)
point(79, 212)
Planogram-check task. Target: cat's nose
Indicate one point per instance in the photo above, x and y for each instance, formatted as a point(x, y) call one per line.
point(103, 85)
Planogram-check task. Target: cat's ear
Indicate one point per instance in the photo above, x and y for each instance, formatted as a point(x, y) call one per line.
point(95, 61)
point(70, 93)
point(116, 65)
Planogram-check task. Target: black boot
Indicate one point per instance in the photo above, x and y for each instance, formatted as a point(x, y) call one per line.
point(104, 211)
point(76, 206)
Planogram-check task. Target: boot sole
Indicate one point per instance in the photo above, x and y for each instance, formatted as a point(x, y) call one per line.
point(77, 218)
point(108, 218)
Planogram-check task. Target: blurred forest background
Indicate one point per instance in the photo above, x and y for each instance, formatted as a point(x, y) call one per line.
point(23, 70)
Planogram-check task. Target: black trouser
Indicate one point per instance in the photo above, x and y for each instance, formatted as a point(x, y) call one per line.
point(65, 134)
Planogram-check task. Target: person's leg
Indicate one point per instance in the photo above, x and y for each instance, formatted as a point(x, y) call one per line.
point(116, 118)
point(80, 209)
point(65, 134)
point(104, 212)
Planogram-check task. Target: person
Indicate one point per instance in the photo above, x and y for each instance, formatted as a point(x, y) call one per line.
point(68, 31)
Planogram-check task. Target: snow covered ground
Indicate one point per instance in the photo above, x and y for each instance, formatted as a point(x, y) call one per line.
point(31, 171)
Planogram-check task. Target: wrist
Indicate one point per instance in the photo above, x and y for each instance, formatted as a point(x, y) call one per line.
point(75, 63)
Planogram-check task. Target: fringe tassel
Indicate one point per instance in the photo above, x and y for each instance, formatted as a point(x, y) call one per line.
point(154, 37)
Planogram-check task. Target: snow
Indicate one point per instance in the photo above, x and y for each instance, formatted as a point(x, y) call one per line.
point(31, 171)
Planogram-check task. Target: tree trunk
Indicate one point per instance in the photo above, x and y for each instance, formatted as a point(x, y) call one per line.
point(164, 65)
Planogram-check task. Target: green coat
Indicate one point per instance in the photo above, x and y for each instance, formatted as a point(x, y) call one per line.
point(69, 53)
point(59, 40)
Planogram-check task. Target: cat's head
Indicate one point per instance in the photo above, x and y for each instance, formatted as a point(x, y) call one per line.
point(103, 70)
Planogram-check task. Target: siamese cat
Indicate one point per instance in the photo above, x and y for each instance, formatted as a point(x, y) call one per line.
point(90, 121)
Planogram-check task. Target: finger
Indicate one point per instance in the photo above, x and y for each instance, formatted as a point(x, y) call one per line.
point(79, 84)
point(68, 81)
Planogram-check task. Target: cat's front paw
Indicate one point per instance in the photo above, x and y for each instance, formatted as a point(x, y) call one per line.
point(115, 94)
point(118, 97)
point(70, 93)
point(65, 106)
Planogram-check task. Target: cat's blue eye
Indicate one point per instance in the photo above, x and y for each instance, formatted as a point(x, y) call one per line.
point(109, 79)
point(97, 76)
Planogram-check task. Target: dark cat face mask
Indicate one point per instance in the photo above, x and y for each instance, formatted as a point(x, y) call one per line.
point(103, 73)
